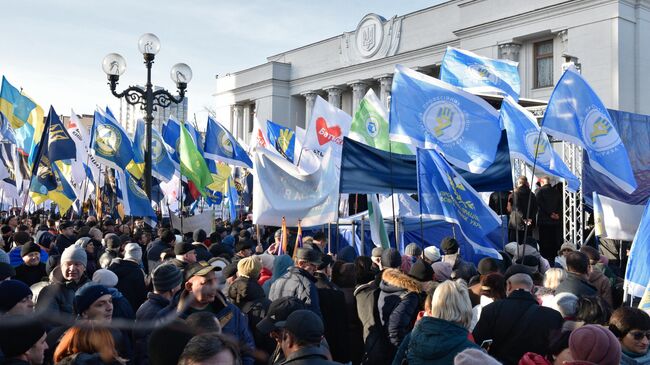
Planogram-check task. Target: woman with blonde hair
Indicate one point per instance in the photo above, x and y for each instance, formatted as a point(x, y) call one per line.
point(443, 331)
point(84, 343)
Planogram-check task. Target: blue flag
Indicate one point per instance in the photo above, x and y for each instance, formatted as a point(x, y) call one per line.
point(233, 198)
point(478, 74)
point(444, 195)
point(525, 141)
point(60, 145)
point(133, 197)
point(637, 274)
point(171, 134)
point(6, 132)
point(429, 113)
point(282, 138)
point(576, 114)
point(162, 164)
point(112, 146)
point(220, 145)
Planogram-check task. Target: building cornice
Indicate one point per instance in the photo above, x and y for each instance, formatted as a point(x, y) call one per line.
point(255, 86)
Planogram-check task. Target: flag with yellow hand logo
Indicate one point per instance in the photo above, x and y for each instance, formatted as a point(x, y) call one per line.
point(282, 138)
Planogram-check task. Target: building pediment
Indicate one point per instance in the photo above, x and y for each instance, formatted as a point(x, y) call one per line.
point(374, 38)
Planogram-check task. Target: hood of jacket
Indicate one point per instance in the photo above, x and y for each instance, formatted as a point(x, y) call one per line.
point(393, 280)
point(281, 265)
point(244, 290)
point(434, 338)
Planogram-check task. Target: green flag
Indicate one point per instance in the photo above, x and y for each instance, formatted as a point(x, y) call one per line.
point(377, 228)
point(192, 163)
point(370, 126)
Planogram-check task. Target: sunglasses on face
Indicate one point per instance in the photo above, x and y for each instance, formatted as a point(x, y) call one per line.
point(638, 335)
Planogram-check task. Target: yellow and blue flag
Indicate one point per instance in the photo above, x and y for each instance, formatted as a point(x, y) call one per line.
point(25, 117)
point(111, 145)
point(162, 165)
point(282, 138)
point(132, 196)
point(429, 113)
point(445, 196)
point(576, 114)
point(220, 145)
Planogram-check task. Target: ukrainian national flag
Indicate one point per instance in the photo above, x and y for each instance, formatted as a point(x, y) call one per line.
point(24, 115)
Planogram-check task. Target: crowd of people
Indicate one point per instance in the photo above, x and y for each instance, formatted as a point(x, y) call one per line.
point(103, 292)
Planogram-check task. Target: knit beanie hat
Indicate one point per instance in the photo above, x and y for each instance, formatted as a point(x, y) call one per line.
point(105, 277)
point(6, 271)
point(29, 248)
point(595, 344)
point(474, 356)
point(377, 251)
point(566, 304)
point(412, 249)
point(199, 235)
point(4, 258)
point(76, 254)
point(432, 253)
point(249, 267)
point(421, 271)
point(166, 277)
point(391, 258)
point(449, 245)
point(267, 260)
point(12, 292)
point(19, 335)
point(133, 252)
point(87, 295)
point(442, 271)
point(181, 248)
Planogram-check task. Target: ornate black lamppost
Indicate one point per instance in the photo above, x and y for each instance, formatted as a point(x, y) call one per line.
point(114, 65)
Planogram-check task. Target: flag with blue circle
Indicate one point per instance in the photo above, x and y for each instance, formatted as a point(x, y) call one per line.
point(171, 133)
point(162, 164)
point(429, 113)
point(282, 138)
point(111, 145)
point(220, 145)
point(637, 274)
point(527, 142)
point(478, 74)
point(445, 196)
point(132, 196)
point(576, 114)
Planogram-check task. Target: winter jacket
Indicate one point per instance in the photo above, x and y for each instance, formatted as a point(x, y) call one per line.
point(59, 295)
point(629, 359)
point(265, 275)
point(576, 285)
point(121, 306)
point(154, 250)
point(233, 321)
point(549, 200)
point(202, 253)
point(31, 274)
point(131, 281)
point(149, 311)
point(83, 358)
point(503, 322)
point(376, 348)
point(599, 281)
point(433, 341)
point(151, 307)
point(309, 355)
point(15, 259)
point(249, 297)
point(332, 303)
point(62, 242)
point(398, 302)
point(281, 264)
point(300, 284)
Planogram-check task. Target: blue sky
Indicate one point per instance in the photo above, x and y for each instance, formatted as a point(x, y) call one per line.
point(54, 49)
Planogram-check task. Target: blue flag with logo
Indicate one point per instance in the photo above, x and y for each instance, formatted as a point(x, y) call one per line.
point(576, 114)
point(478, 74)
point(162, 164)
point(233, 198)
point(220, 145)
point(133, 197)
point(525, 141)
point(637, 274)
point(171, 134)
point(429, 113)
point(111, 145)
point(444, 195)
point(282, 138)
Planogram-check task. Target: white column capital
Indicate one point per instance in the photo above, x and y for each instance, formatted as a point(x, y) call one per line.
point(385, 87)
point(510, 51)
point(334, 95)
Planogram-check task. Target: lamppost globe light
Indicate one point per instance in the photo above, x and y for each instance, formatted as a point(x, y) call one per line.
point(114, 64)
point(149, 44)
point(181, 73)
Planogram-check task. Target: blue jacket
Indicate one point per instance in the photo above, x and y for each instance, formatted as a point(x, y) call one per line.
point(433, 341)
point(281, 264)
point(16, 260)
point(398, 304)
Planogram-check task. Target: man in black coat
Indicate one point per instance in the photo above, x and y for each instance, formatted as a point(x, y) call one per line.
point(520, 213)
point(66, 236)
point(577, 281)
point(549, 222)
point(131, 282)
point(166, 240)
point(301, 340)
point(517, 324)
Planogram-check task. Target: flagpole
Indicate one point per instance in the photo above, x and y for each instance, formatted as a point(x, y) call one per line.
point(392, 194)
point(530, 196)
point(329, 238)
point(362, 248)
point(180, 197)
point(338, 216)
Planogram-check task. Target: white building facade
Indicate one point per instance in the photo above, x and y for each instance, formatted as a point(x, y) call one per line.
point(609, 39)
point(129, 114)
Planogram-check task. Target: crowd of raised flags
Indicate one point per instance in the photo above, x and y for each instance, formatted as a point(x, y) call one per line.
point(296, 173)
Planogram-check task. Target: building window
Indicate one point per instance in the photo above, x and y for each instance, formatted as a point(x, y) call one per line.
point(544, 64)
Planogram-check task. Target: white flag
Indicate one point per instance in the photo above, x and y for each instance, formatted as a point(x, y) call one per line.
point(282, 189)
point(81, 140)
point(326, 129)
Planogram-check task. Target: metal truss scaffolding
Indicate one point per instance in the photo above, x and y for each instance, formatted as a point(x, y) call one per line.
point(572, 202)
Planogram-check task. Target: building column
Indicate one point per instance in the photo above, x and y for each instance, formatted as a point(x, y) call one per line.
point(310, 99)
point(334, 95)
point(385, 84)
point(248, 121)
point(238, 120)
point(359, 89)
point(510, 51)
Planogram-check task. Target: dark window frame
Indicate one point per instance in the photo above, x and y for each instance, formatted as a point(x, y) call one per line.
point(537, 57)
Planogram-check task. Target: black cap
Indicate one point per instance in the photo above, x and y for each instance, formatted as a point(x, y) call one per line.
point(518, 269)
point(279, 310)
point(29, 248)
point(449, 245)
point(230, 270)
point(244, 244)
point(199, 235)
point(182, 248)
point(19, 334)
point(391, 258)
point(306, 325)
point(112, 241)
point(65, 224)
point(200, 268)
point(487, 265)
point(108, 222)
point(309, 255)
point(421, 271)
